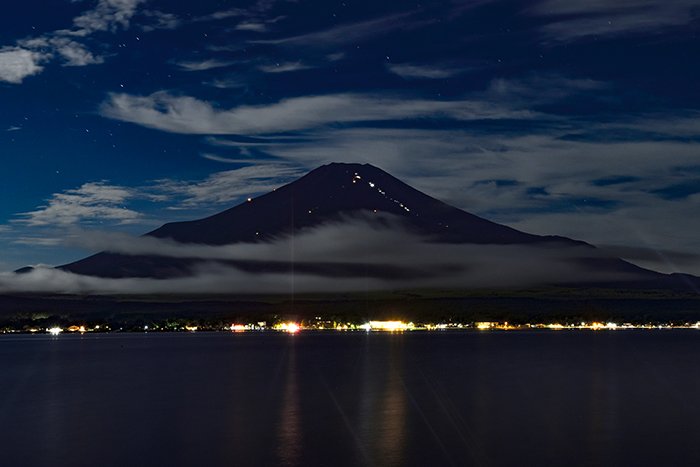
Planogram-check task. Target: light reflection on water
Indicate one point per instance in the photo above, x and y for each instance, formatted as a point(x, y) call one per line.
point(289, 427)
point(530, 398)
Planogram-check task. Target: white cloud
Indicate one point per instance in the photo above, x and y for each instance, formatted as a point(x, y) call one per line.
point(221, 14)
point(17, 63)
point(681, 124)
point(253, 26)
point(541, 87)
point(73, 53)
point(227, 83)
point(227, 186)
point(256, 11)
point(243, 151)
point(209, 279)
point(183, 114)
point(203, 65)
point(284, 67)
point(413, 71)
point(102, 203)
point(159, 20)
point(349, 33)
point(92, 202)
point(335, 56)
point(217, 158)
point(41, 241)
point(580, 19)
point(108, 15)
point(27, 57)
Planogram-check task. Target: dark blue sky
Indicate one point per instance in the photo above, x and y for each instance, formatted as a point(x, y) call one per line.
point(570, 117)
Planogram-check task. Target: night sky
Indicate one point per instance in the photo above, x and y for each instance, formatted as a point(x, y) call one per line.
point(570, 117)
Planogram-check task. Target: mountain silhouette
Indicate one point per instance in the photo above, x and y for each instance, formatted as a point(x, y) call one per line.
point(337, 191)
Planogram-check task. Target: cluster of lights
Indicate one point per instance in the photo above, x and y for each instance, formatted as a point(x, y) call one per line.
point(391, 326)
point(56, 330)
point(356, 178)
point(593, 326)
point(290, 327)
point(320, 324)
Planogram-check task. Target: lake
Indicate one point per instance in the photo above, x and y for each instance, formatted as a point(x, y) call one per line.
point(526, 398)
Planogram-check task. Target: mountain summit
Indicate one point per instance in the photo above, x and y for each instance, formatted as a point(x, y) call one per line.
point(338, 191)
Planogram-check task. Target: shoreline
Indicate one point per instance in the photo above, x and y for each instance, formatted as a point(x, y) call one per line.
point(395, 328)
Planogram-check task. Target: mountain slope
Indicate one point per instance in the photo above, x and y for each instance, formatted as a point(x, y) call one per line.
point(330, 193)
point(332, 190)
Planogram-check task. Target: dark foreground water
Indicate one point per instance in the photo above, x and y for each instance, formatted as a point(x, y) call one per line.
point(424, 399)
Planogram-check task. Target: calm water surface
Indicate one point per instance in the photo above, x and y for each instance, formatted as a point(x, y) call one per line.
point(415, 399)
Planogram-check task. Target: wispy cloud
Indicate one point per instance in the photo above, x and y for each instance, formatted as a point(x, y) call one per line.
point(542, 87)
point(108, 15)
point(284, 67)
point(92, 202)
point(226, 160)
point(102, 203)
point(251, 26)
point(335, 56)
point(159, 20)
point(39, 241)
point(414, 71)
point(188, 115)
point(227, 83)
point(241, 160)
point(350, 33)
point(388, 254)
point(29, 55)
point(575, 19)
point(225, 187)
point(203, 65)
point(209, 278)
point(255, 15)
point(73, 53)
point(678, 124)
point(220, 15)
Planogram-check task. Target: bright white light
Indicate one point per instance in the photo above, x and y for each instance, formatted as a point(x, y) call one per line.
point(290, 327)
point(55, 331)
point(390, 325)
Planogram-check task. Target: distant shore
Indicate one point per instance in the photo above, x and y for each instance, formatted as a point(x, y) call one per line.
point(370, 327)
point(547, 308)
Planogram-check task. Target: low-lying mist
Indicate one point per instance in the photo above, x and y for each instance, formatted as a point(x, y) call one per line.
point(367, 252)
